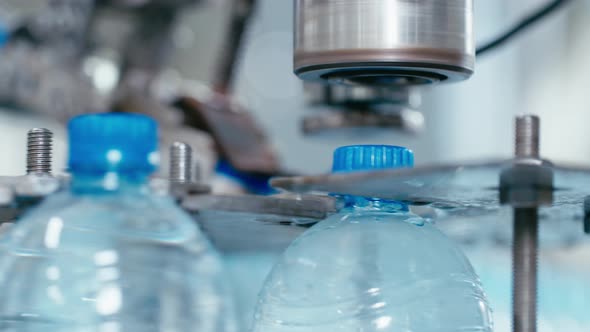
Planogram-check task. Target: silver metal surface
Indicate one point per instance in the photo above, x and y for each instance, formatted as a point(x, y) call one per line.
point(181, 163)
point(527, 136)
point(298, 209)
point(342, 95)
point(358, 107)
point(377, 41)
point(248, 222)
point(233, 232)
point(39, 151)
point(396, 118)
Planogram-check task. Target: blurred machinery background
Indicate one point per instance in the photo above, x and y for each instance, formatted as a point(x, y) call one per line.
point(543, 72)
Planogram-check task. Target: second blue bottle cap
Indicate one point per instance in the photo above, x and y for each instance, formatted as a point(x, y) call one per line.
point(119, 142)
point(371, 157)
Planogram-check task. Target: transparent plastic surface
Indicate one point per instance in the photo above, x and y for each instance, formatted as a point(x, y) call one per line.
point(94, 260)
point(373, 267)
point(248, 271)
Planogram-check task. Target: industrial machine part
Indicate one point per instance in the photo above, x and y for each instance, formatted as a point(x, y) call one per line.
point(403, 119)
point(38, 182)
point(17, 194)
point(341, 107)
point(180, 182)
point(384, 42)
point(236, 133)
point(385, 54)
point(239, 139)
point(181, 162)
point(257, 223)
point(39, 150)
point(343, 96)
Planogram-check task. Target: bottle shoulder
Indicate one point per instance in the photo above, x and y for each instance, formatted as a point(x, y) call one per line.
point(140, 217)
point(392, 241)
point(380, 265)
point(366, 221)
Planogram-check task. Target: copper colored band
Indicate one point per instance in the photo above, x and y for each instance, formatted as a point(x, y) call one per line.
point(401, 55)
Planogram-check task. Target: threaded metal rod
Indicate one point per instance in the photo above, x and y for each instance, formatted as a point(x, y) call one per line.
point(39, 151)
point(180, 163)
point(526, 233)
point(524, 258)
point(527, 136)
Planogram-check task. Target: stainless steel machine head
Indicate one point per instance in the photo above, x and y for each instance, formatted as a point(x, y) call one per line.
point(384, 42)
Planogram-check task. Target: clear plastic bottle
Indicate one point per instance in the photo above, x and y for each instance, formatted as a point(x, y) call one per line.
point(374, 266)
point(106, 255)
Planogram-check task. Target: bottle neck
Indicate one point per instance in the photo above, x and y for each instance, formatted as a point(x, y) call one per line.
point(109, 183)
point(365, 204)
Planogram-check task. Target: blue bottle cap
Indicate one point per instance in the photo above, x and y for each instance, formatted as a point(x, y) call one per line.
point(371, 157)
point(113, 142)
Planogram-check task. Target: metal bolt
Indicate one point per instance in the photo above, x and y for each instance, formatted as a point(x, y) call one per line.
point(527, 136)
point(526, 230)
point(39, 151)
point(180, 163)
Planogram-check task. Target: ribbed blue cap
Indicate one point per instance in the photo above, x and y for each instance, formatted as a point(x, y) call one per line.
point(113, 142)
point(371, 157)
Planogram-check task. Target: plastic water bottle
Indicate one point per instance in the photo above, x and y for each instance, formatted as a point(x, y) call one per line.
point(106, 255)
point(374, 266)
